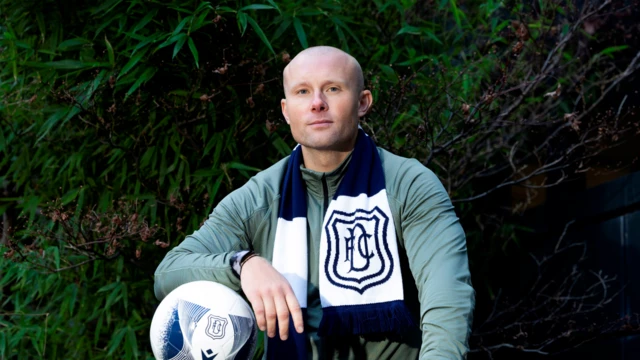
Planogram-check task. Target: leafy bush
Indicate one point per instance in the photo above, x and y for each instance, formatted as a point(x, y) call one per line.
point(125, 121)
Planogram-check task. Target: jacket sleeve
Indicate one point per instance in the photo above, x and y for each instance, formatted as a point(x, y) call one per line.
point(206, 254)
point(437, 253)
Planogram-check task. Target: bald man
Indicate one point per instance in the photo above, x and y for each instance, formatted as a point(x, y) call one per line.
point(344, 250)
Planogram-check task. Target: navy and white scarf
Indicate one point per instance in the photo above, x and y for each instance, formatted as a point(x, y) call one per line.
point(360, 281)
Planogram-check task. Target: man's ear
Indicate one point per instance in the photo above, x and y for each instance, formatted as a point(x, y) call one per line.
point(364, 103)
point(283, 105)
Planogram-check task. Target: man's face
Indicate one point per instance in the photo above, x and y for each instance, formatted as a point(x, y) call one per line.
point(323, 101)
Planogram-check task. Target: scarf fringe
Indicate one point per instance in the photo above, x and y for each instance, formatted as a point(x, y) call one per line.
point(391, 317)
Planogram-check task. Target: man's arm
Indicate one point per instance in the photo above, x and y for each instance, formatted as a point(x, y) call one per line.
point(206, 254)
point(437, 252)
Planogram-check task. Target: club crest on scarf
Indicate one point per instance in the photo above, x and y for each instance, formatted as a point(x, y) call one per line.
point(358, 255)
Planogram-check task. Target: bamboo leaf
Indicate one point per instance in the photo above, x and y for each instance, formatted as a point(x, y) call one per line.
point(41, 25)
point(70, 196)
point(275, 6)
point(179, 43)
point(194, 51)
point(55, 253)
point(181, 25)
point(389, 73)
point(613, 49)
point(146, 76)
point(112, 57)
point(73, 44)
point(257, 7)
point(284, 25)
point(145, 20)
point(342, 24)
point(131, 63)
point(302, 36)
point(67, 64)
point(242, 22)
point(105, 7)
point(260, 33)
point(408, 29)
point(240, 166)
point(116, 339)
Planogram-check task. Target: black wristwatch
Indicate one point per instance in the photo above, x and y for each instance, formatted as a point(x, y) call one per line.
point(238, 259)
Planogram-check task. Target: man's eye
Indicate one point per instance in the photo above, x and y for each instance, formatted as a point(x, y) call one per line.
point(302, 91)
point(333, 89)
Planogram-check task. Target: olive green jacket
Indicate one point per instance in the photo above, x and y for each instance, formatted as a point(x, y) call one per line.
point(431, 243)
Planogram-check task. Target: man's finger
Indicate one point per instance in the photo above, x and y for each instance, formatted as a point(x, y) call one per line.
point(283, 316)
point(270, 315)
point(258, 310)
point(296, 312)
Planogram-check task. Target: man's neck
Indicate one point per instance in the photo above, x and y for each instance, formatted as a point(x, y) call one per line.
point(323, 160)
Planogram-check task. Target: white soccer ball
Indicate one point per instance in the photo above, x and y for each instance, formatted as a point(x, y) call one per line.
point(203, 320)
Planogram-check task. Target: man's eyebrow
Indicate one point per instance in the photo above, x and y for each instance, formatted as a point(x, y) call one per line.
point(324, 83)
point(298, 84)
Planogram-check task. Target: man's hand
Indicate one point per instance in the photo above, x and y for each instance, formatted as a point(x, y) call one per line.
point(271, 297)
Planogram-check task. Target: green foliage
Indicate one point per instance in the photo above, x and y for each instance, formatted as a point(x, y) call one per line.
point(147, 113)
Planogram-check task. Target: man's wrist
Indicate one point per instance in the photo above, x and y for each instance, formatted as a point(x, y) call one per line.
point(238, 259)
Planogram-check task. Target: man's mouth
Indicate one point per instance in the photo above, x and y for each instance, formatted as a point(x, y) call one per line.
point(321, 122)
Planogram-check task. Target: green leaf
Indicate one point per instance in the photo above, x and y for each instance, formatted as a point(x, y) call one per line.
point(239, 166)
point(199, 22)
point(275, 6)
point(41, 25)
point(344, 26)
point(105, 7)
point(72, 44)
point(260, 33)
point(68, 64)
point(181, 25)
point(131, 342)
point(408, 29)
point(179, 43)
point(116, 339)
point(112, 57)
point(70, 196)
point(108, 287)
point(194, 51)
point(51, 121)
point(131, 63)
point(72, 295)
point(171, 40)
point(414, 60)
point(613, 49)
point(55, 252)
point(257, 7)
point(145, 20)
point(302, 36)
point(389, 73)
point(284, 25)
point(146, 76)
point(224, 9)
point(242, 22)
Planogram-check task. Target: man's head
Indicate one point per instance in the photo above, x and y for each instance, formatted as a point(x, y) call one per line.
point(324, 98)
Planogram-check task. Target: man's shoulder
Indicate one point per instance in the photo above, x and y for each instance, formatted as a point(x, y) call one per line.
point(272, 176)
point(404, 174)
point(260, 190)
point(399, 166)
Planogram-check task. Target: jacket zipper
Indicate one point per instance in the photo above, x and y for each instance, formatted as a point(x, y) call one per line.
point(325, 191)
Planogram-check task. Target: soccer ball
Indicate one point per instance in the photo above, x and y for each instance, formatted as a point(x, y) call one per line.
point(203, 320)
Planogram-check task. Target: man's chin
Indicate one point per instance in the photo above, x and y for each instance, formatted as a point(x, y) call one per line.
point(328, 146)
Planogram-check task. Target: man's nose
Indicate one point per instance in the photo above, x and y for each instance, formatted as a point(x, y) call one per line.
point(319, 103)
